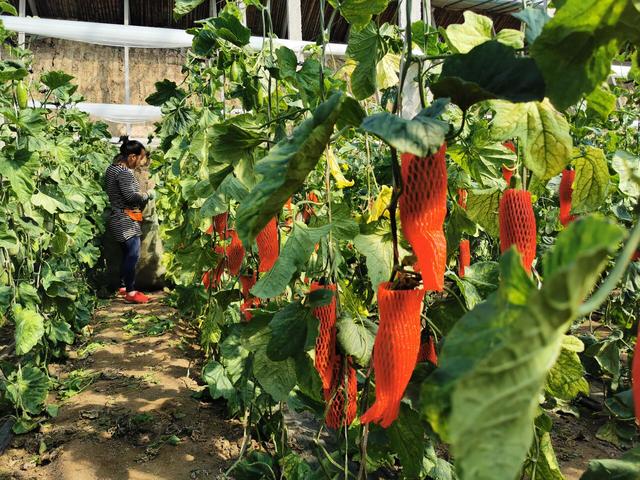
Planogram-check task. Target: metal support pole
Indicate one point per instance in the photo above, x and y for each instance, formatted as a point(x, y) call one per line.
point(243, 12)
point(34, 9)
point(127, 86)
point(213, 8)
point(402, 13)
point(294, 20)
point(22, 12)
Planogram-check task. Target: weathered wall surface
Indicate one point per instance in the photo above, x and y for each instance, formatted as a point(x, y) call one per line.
point(99, 71)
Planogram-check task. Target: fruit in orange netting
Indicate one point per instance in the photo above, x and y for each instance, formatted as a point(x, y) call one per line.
point(635, 378)
point(464, 259)
point(268, 246)
point(247, 282)
point(211, 278)
point(219, 224)
point(326, 339)
point(427, 352)
point(308, 211)
point(341, 408)
point(423, 207)
point(565, 193)
point(462, 198)
point(235, 252)
point(395, 350)
point(518, 225)
point(507, 171)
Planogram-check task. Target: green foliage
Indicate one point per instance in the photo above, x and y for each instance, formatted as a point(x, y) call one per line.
point(467, 397)
point(490, 70)
point(476, 30)
point(544, 133)
point(287, 165)
point(595, 30)
point(592, 179)
point(359, 12)
point(182, 7)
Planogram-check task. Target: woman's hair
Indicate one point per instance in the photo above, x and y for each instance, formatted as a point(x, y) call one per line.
point(129, 147)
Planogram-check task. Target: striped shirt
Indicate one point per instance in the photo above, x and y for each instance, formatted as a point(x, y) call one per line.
point(123, 190)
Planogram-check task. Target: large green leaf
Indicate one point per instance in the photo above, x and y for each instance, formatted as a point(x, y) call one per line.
point(626, 468)
point(601, 101)
point(367, 47)
point(463, 37)
point(378, 250)
point(56, 79)
point(165, 91)
point(406, 437)
point(575, 49)
point(482, 208)
point(484, 396)
point(359, 12)
point(292, 259)
point(286, 167)
point(29, 328)
point(535, 20)
point(628, 168)
point(277, 378)
point(591, 183)
point(566, 378)
point(356, 337)
point(19, 169)
point(182, 7)
point(289, 329)
point(490, 70)
point(476, 30)
point(12, 70)
point(217, 380)
point(27, 388)
point(421, 136)
point(544, 133)
point(8, 239)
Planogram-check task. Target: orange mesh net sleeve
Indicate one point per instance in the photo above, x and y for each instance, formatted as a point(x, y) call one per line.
point(465, 257)
point(220, 223)
point(423, 207)
point(235, 252)
point(395, 351)
point(565, 193)
point(518, 225)
point(211, 278)
point(341, 408)
point(326, 340)
point(247, 282)
point(268, 246)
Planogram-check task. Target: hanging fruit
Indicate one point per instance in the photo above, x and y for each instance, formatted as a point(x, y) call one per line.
point(565, 193)
point(211, 278)
point(235, 252)
point(326, 339)
point(423, 207)
point(308, 211)
point(22, 95)
point(507, 171)
point(464, 259)
point(427, 352)
point(341, 408)
point(268, 246)
point(518, 225)
point(395, 351)
point(247, 282)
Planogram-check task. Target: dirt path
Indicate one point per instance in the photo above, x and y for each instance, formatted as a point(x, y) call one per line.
point(136, 419)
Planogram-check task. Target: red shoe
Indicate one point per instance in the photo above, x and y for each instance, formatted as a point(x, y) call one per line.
point(122, 291)
point(137, 297)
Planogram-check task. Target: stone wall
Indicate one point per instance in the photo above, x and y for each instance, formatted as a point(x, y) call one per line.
point(99, 71)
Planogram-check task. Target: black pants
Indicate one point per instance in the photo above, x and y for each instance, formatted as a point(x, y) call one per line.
point(130, 256)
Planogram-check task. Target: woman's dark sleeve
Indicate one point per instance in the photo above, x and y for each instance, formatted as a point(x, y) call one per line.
point(130, 189)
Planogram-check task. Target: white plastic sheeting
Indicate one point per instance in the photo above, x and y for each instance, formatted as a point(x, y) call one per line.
point(116, 113)
point(131, 36)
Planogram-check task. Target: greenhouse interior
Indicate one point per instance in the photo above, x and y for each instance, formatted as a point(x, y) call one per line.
point(320, 239)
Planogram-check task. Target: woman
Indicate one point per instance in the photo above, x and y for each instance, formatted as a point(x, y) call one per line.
point(126, 204)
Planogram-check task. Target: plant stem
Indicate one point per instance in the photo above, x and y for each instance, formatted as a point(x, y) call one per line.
point(600, 296)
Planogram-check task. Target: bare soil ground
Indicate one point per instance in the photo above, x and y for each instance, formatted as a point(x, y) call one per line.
point(137, 420)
